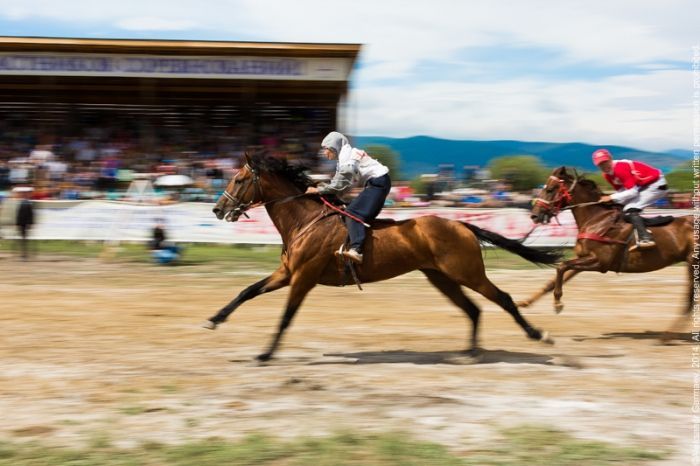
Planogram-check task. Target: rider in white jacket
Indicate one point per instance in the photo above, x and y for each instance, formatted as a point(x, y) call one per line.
point(355, 168)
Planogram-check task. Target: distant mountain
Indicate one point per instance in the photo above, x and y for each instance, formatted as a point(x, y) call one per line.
point(685, 153)
point(423, 154)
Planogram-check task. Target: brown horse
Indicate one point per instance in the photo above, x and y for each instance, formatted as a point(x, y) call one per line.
point(447, 252)
point(602, 243)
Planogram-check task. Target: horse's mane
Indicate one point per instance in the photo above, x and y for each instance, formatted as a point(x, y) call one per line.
point(586, 183)
point(589, 185)
point(280, 166)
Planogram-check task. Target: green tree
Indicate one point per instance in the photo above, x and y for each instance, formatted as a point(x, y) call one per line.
point(419, 185)
point(522, 172)
point(388, 157)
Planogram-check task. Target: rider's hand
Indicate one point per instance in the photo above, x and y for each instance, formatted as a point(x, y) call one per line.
point(605, 199)
point(312, 190)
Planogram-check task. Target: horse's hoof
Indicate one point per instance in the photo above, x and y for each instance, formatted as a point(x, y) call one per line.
point(464, 360)
point(264, 357)
point(558, 307)
point(209, 325)
point(547, 338)
point(523, 304)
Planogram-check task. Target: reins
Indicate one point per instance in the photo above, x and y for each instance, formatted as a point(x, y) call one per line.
point(343, 212)
point(556, 205)
point(243, 208)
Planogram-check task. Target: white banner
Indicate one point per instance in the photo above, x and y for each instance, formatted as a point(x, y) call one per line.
point(195, 222)
point(155, 66)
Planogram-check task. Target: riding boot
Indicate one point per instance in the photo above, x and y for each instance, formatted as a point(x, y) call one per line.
point(644, 238)
point(356, 231)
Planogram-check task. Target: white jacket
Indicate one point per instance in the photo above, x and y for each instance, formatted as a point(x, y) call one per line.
point(354, 168)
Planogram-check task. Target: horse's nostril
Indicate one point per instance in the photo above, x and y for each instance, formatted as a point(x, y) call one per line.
point(216, 210)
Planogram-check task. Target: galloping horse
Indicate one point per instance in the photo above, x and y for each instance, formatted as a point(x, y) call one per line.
point(602, 242)
point(447, 252)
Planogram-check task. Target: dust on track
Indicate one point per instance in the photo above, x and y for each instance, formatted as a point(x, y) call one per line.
point(115, 348)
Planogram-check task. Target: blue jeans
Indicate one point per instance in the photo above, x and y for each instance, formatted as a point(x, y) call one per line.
point(367, 206)
point(169, 253)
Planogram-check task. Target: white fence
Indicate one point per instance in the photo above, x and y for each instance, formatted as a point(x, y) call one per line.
point(195, 222)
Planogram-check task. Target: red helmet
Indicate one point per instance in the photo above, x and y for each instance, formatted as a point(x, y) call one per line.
point(600, 156)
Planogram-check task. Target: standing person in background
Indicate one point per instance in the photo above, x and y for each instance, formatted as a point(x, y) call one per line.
point(24, 221)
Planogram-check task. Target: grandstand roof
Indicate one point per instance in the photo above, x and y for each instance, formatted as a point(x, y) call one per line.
point(178, 47)
point(129, 71)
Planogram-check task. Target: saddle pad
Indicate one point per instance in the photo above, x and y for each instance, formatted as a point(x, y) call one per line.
point(659, 221)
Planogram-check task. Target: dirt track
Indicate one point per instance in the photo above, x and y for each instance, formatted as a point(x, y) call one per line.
point(91, 347)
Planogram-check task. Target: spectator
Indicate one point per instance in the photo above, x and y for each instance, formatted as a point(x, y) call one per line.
point(24, 221)
point(162, 250)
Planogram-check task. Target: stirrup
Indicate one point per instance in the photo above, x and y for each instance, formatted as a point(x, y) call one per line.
point(349, 264)
point(646, 244)
point(642, 243)
point(353, 255)
point(349, 254)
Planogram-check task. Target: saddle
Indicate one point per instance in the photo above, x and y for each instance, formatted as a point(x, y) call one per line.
point(658, 221)
point(613, 226)
point(381, 222)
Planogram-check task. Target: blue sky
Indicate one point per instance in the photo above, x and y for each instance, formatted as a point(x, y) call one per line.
point(602, 72)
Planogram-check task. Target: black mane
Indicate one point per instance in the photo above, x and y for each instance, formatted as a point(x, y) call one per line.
point(280, 166)
point(589, 185)
point(586, 183)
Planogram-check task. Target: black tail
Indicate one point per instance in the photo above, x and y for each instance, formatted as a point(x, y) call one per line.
point(538, 256)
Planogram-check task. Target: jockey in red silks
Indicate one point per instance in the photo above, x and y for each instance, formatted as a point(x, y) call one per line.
point(637, 186)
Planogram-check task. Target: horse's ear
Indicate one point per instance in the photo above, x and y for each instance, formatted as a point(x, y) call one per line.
point(248, 158)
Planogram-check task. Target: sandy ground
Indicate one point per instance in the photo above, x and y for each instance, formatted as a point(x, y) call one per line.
point(91, 348)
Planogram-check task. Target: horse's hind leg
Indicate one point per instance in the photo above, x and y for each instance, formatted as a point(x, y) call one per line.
point(279, 279)
point(503, 299)
point(453, 291)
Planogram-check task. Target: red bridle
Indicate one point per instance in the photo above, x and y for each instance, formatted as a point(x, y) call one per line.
point(561, 199)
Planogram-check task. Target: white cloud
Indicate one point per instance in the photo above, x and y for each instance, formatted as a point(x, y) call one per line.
point(649, 109)
point(142, 23)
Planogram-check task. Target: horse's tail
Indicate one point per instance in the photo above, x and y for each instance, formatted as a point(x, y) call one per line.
point(537, 256)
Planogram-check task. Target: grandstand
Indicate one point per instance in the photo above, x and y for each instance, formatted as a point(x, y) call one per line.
point(146, 102)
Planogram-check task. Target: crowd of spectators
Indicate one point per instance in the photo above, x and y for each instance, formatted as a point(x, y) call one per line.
point(100, 158)
point(98, 155)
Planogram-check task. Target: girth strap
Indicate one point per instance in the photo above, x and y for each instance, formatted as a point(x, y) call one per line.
point(597, 237)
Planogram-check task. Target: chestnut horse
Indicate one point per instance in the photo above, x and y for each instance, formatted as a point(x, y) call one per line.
point(603, 239)
point(447, 252)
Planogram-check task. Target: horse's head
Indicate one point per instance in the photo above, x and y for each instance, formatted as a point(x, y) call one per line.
point(555, 195)
point(242, 192)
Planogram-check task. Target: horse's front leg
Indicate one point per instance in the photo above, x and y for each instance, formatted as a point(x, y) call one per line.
point(577, 265)
point(278, 279)
point(547, 288)
point(300, 287)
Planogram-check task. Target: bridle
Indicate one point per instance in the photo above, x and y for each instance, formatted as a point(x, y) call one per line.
point(561, 199)
point(242, 207)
